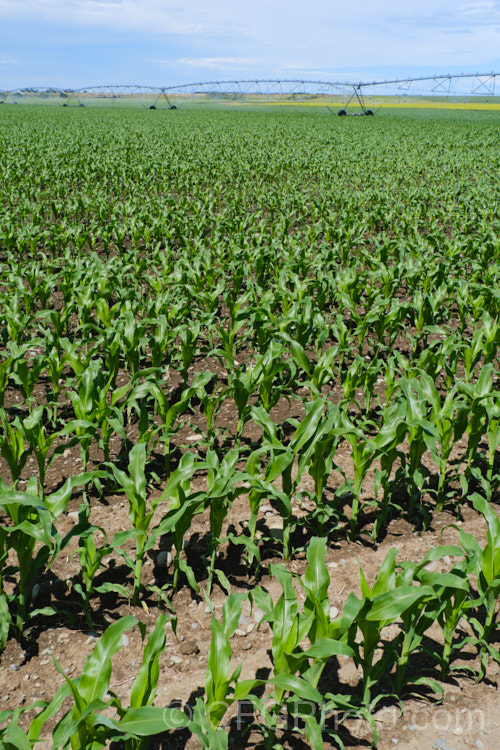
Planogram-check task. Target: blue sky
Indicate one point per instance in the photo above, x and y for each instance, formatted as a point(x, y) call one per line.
point(74, 43)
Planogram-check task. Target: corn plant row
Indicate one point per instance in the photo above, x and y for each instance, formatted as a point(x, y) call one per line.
point(305, 641)
point(274, 471)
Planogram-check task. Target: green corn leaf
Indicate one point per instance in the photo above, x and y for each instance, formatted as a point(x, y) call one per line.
point(316, 578)
point(313, 732)
point(94, 681)
point(15, 739)
point(297, 686)
point(189, 573)
point(12, 497)
point(115, 588)
point(445, 580)
point(136, 466)
point(386, 577)
point(57, 502)
point(391, 605)
point(5, 620)
point(217, 677)
point(243, 688)
point(231, 611)
point(48, 712)
point(222, 578)
point(145, 721)
point(144, 687)
point(325, 648)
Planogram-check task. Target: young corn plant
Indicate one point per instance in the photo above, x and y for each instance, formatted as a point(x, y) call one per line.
point(222, 685)
point(289, 629)
point(188, 336)
point(244, 384)
point(133, 484)
point(448, 606)
point(210, 405)
point(493, 435)
point(167, 410)
point(418, 428)
point(275, 371)
point(133, 337)
point(447, 423)
point(84, 726)
point(85, 399)
point(477, 396)
point(140, 719)
point(31, 522)
point(364, 451)
point(484, 564)
point(309, 432)
point(90, 557)
point(389, 599)
point(390, 436)
point(13, 448)
point(221, 492)
point(297, 668)
point(483, 345)
point(33, 431)
point(184, 505)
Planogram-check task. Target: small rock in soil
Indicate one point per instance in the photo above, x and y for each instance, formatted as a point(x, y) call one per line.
point(258, 615)
point(163, 559)
point(189, 647)
point(276, 530)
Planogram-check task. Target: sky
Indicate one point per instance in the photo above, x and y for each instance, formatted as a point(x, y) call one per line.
point(77, 43)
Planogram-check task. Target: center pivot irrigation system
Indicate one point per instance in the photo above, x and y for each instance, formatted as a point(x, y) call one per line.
point(365, 97)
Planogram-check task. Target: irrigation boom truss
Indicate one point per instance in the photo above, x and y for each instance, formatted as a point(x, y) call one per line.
point(468, 86)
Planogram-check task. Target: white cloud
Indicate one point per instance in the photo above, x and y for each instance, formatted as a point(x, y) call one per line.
point(485, 6)
point(219, 62)
point(153, 15)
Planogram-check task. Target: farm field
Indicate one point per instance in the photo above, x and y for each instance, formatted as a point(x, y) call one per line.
point(249, 428)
